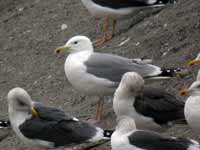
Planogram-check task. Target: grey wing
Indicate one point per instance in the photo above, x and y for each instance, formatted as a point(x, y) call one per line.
point(113, 67)
point(159, 105)
point(153, 141)
point(60, 133)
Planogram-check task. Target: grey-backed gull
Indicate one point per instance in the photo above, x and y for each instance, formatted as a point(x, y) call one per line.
point(100, 73)
point(192, 104)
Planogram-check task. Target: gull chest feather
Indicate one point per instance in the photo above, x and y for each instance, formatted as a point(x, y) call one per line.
point(192, 111)
point(76, 71)
point(16, 120)
point(77, 75)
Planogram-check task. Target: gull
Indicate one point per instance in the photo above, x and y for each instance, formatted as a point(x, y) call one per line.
point(151, 108)
point(192, 104)
point(128, 137)
point(48, 127)
point(117, 9)
point(100, 73)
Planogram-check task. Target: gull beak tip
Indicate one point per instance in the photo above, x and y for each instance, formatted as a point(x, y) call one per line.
point(35, 114)
point(193, 62)
point(58, 50)
point(184, 92)
point(62, 49)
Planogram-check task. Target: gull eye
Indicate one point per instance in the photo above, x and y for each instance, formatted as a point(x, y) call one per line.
point(21, 103)
point(76, 42)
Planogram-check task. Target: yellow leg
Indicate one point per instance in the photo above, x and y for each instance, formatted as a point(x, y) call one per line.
point(99, 109)
point(114, 27)
point(106, 26)
point(101, 41)
point(110, 36)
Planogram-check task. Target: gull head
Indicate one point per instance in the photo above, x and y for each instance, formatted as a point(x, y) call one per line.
point(19, 101)
point(125, 124)
point(132, 83)
point(194, 61)
point(76, 44)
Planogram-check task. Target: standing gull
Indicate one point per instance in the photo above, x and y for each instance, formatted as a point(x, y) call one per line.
point(151, 108)
point(100, 73)
point(48, 127)
point(116, 9)
point(128, 137)
point(192, 105)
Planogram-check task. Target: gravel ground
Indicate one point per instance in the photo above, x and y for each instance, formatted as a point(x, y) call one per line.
point(31, 29)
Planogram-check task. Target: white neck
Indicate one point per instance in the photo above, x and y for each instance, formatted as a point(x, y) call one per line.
point(195, 93)
point(17, 118)
point(125, 130)
point(123, 103)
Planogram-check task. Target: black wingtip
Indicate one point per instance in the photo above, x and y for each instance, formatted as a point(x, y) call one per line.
point(4, 124)
point(108, 133)
point(169, 72)
point(175, 72)
point(166, 1)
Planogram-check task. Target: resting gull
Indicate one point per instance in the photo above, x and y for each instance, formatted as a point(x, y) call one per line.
point(151, 108)
point(100, 73)
point(192, 104)
point(48, 127)
point(117, 9)
point(195, 61)
point(128, 137)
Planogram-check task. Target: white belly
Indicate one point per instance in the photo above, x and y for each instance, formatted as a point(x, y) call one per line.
point(87, 83)
point(192, 112)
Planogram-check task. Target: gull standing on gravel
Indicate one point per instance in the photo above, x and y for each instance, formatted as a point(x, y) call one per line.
point(192, 104)
point(100, 73)
point(117, 9)
point(128, 137)
point(48, 127)
point(152, 109)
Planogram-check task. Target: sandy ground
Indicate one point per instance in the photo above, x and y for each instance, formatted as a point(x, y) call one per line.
point(31, 29)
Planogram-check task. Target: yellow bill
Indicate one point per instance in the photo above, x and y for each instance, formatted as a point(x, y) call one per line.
point(193, 62)
point(35, 114)
point(62, 49)
point(184, 92)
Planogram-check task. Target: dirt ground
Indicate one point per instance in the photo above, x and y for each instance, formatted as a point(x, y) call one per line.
point(31, 29)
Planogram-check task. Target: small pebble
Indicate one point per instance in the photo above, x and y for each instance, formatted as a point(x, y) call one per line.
point(63, 27)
